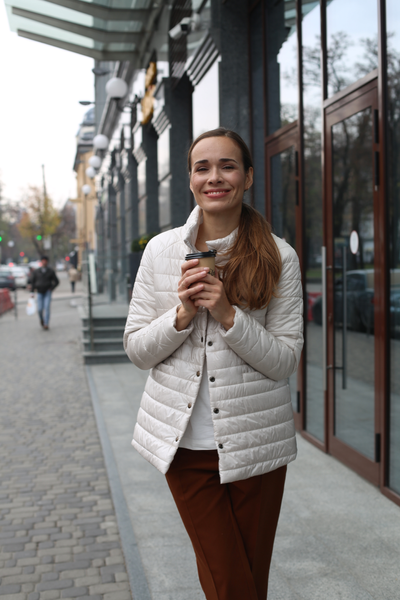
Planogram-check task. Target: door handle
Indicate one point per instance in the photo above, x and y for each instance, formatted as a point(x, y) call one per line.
point(324, 320)
point(344, 319)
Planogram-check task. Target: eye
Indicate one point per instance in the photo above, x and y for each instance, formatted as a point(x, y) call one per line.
point(229, 167)
point(200, 169)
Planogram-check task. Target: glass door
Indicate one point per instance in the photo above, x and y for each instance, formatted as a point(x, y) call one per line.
point(282, 208)
point(352, 145)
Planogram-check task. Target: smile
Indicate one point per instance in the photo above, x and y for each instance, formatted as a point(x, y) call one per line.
point(217, 193)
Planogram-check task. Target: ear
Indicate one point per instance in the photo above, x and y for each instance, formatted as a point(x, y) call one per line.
point(249, 179)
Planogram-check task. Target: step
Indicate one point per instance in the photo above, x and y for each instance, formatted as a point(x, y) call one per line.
point(104, 344)
point(102, 358)
point(105, 321)
point(104, 332)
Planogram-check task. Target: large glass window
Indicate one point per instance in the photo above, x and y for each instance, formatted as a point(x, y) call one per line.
point(206, 102)
point(282, 89)
point(312, 95)
point(393, 51)
point(352, 41)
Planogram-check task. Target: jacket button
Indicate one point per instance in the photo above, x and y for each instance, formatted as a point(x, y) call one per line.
point(216, 410)
point(198, 373)
point(202, 339)
point(220, 446)
point(212, 379)
point(190, 405)
point(177, 439)
point(210, 343)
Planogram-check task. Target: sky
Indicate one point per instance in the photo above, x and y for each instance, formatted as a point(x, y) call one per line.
point(39, 114)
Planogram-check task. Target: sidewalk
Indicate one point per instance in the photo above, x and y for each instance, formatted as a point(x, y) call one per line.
point(338, 538)
point(58, 528)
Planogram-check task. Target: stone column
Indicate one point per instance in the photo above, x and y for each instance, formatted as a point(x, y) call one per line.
point(149, 144)
point(178, 106)
point(113, 242)
point(229, 31)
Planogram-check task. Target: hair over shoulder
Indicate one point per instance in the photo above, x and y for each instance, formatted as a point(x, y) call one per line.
point(252, 272)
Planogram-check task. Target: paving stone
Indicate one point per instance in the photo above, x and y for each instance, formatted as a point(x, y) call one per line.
point(9, 589)
point(74, 592)
point(55, 501)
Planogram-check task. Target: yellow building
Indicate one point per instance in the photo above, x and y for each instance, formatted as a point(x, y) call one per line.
point(85, 202)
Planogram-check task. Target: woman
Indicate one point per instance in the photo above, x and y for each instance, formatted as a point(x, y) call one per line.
point(216, 413)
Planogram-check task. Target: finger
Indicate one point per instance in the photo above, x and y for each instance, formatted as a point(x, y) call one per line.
point(189, 264)
point(193, 278)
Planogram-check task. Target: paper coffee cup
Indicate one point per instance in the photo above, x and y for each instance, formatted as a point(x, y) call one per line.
point(206, 259)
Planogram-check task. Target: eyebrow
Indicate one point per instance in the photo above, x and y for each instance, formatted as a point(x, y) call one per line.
point(205, 160)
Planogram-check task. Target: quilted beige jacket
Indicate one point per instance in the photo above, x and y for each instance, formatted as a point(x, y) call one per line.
point(248, 366)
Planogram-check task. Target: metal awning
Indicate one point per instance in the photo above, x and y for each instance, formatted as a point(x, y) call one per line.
point(106, 30)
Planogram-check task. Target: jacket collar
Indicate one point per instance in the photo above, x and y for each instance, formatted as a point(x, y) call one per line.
point(190, 231)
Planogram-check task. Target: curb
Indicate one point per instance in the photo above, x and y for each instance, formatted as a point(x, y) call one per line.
point(137, 578)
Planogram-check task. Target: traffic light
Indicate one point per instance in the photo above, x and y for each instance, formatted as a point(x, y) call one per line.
point(22, 254)
point(1, 239)
point(38, 237)
point(67, 258)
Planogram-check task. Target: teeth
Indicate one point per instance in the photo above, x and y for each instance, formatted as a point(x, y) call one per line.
point(216, 193)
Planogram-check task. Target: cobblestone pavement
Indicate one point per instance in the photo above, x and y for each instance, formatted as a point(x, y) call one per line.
point(58, 531)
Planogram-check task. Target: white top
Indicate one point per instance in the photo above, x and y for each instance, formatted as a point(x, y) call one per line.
point(199, 434)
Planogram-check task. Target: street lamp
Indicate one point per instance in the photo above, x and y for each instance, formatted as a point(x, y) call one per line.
point(100, 141)
point(116, 88)
point(90, 172)
point(86, 189)
point(95, 162)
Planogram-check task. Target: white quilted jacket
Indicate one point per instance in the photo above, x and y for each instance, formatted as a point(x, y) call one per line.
point(248, 366)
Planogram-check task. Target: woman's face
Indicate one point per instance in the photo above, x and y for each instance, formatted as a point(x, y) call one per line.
point(218, 179)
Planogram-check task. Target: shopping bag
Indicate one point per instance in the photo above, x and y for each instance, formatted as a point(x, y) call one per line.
point(31, 306)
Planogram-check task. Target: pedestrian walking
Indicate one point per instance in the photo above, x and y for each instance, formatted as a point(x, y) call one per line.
point(44, 280)
point(73, 275)
point(216, 414)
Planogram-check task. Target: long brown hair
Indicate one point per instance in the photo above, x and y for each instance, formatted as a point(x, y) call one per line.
point(252, 272)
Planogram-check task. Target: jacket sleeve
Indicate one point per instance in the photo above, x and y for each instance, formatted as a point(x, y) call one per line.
point(273, 350)
point(148, 339)
point(54, 281)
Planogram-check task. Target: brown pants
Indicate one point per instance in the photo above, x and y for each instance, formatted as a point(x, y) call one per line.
point(231, 526)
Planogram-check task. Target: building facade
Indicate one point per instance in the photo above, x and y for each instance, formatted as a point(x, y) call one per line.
point(313, 87)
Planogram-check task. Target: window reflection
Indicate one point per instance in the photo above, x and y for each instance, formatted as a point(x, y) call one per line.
point(282, 65)
point(352, 41)
point(164, 199)
point(393, 53)
point(313, 215)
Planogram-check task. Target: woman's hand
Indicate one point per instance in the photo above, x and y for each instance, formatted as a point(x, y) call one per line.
point(212, 296)
point(190, 283)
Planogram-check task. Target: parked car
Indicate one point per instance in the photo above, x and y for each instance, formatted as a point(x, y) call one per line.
point(7, 279)
point(20, 276)
point(360, 302)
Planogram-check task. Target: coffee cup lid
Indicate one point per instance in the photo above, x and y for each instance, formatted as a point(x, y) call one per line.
point(200, 255)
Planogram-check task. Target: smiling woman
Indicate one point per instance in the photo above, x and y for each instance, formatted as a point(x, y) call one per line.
point(216, 414)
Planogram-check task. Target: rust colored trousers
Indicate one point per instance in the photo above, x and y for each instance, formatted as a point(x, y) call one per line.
point(231, 526)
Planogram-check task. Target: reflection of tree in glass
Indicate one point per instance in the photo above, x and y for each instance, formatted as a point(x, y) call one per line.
point(352, 176)
point(393, 61)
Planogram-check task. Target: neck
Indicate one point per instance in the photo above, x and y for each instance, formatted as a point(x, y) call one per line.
point(215, 227)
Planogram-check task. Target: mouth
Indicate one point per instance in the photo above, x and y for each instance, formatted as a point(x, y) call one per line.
point(216, 193)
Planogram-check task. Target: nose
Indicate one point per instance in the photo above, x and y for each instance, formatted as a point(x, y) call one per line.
point(214, 175)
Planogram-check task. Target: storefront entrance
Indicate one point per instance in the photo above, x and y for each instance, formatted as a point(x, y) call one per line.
point(350, 305)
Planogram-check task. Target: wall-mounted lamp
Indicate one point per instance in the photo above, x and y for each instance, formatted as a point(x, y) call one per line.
point(90, 172)
point(86, 102)
point(95, 162)
point(100, 141)
point(116, 89)
point(86, 189)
